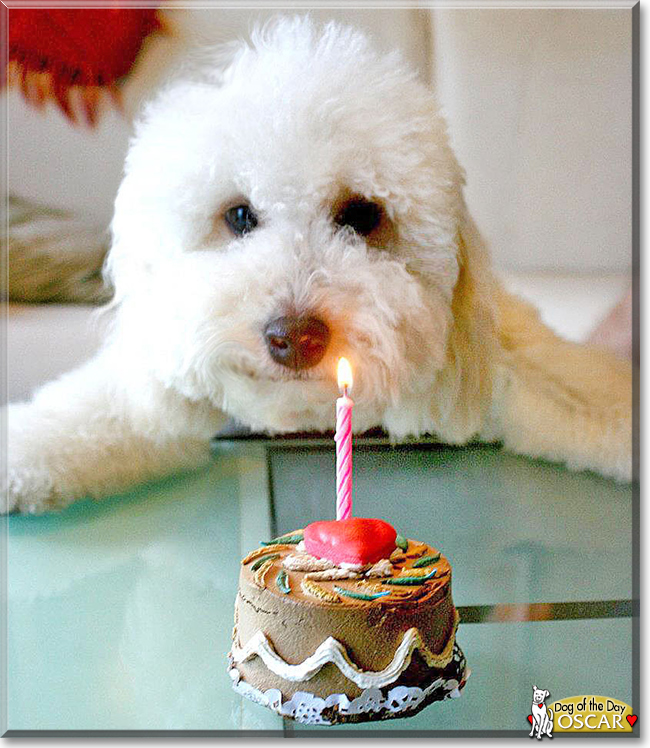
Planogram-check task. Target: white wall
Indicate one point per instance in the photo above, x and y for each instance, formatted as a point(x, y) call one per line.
point(539, 106)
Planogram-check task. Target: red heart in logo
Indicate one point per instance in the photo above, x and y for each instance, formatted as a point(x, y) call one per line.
point(631, 718)
point(353, 541)
point(530, 718)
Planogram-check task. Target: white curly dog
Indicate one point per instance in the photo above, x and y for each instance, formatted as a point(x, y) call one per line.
point(290, 201)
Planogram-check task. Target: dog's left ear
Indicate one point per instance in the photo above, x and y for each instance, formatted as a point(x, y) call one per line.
point(465, 384)
point(509, 378)
point(546, 694)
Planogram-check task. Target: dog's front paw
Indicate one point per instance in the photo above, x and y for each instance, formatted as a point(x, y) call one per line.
point(29, 490)
point(36, 452)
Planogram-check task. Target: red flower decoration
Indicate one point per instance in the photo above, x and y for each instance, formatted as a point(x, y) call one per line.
point(75, 56)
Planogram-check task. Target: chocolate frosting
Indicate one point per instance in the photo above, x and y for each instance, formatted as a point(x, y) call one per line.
point(297, 623)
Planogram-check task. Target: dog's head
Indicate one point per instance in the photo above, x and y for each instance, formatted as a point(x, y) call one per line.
point(539, 695)
point(294, 204)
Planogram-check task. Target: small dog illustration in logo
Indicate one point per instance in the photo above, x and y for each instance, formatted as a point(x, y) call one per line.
point(542, 717)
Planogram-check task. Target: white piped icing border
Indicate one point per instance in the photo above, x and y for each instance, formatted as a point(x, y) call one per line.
point(308, 709)
point(331, 650)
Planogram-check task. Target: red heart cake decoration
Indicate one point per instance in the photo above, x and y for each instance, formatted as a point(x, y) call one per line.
point(631, 718)
point(352, 541)
point(530, 718)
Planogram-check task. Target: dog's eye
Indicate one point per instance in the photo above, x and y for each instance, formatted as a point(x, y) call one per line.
point(361, 215)
point(241, 219)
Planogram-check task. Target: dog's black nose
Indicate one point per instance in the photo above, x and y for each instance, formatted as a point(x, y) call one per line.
point(297, 342)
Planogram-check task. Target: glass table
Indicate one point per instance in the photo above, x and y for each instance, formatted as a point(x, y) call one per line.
point(119, 613)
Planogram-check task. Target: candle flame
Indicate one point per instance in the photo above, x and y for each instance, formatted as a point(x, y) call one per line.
point(344, 374)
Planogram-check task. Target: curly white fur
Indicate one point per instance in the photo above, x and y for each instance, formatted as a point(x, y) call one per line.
point(292, 123)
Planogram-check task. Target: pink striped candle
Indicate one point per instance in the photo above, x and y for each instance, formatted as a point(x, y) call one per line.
point(343, 439)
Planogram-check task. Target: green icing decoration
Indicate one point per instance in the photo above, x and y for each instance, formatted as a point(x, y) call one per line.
point(402, 542)
point(360, 595)
point(411, 580)
point(282, 581)
point(426, 561)
point(288, 539)
point(269, 557)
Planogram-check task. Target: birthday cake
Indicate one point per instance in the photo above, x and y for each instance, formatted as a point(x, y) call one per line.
point(326, 633)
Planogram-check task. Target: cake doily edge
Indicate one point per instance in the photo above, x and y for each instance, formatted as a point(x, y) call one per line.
point(306, 708)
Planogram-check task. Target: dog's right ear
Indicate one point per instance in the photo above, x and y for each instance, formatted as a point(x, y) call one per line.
point(128, 264)
point(534, 688)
